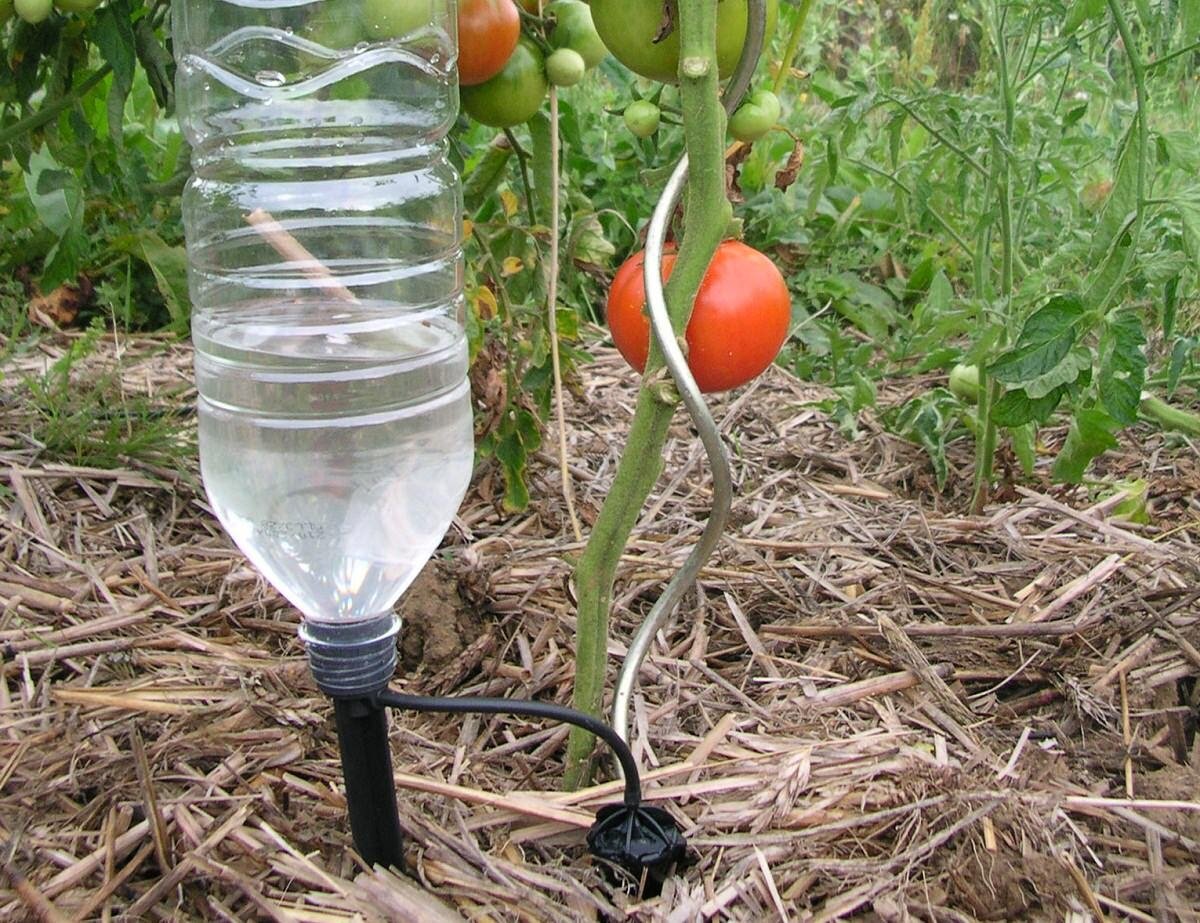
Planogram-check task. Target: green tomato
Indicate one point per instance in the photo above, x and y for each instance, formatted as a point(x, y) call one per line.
point(642, 117)
point(565, 67)
point(388, 19)
point(77, 6)
point(756, 116)
point(514, 95)
point(629, 29)
point(964, 383)
point(33, 11)
point(574, 29)
point(768, 101)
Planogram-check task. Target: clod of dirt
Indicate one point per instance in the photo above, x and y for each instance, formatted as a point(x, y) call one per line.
point(437, 625)
point(1173, 783)
point(60, 308)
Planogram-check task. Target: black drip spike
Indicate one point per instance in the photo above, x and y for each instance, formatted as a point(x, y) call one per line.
point(640, 840)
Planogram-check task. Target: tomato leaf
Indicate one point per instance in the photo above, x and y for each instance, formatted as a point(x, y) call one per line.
point(1024, 444)
point(1016, 408)
point(1076, 363)
point(112, 31)
point(926, 421)
point(1170, 304)
point(1045, 340)
point(1122, 366)
point(1112, 239)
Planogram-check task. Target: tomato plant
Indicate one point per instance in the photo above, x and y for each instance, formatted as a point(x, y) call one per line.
point(632, 30)
point(738, 325)
point(515, 94)
point(487, 35)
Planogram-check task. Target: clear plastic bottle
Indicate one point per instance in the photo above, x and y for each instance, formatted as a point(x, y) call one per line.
point(323, 228)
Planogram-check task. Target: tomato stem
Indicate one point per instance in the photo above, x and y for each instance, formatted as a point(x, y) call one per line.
point(554, 208)
point(707, 214)
point(793, 46)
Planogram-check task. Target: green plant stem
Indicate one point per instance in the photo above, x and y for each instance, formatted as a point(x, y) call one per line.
point(937, 133)
point(523, 166)
point(1141, 126)
point(49, 112)
point(1168, 417)
point(1001, 168)
point(793, 45)
point(1178, 53)
point(707, 214)
point(911, 193)
point(564, 468)
point(1057, 52)
point(541, 163)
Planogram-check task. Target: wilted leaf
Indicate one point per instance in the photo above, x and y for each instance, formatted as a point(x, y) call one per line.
point(1091, 434)
point(786, 177)
point(60, 308)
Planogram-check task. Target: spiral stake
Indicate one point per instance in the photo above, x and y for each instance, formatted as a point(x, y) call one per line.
point(689, 392)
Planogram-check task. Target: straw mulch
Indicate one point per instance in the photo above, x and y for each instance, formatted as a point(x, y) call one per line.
point(872, 706)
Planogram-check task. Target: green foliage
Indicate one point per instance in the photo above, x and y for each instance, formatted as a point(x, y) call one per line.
point(91, 161)
point(972, 186)
point(1027, 204)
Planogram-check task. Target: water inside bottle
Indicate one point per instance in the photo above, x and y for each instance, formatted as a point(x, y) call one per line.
point(324, 247)
point(335, 452)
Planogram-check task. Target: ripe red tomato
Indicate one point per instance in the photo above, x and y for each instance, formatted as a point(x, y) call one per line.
point(737, 328)
point(487, 34)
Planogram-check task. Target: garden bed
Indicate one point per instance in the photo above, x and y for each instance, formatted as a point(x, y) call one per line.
point(874, 705)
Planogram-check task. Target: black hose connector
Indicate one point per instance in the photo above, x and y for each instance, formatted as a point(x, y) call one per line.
point(643, 844)
point(641, 841)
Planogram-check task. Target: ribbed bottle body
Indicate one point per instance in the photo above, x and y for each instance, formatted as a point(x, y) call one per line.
point(323, 227)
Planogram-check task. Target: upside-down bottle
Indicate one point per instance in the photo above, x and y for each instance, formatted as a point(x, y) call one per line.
point(323, 225)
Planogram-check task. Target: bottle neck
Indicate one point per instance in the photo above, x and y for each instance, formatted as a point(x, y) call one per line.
point(351, 658)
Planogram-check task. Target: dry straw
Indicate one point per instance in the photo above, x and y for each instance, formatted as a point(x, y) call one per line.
point(872, 705)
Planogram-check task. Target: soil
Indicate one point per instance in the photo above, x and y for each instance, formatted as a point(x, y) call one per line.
point(438, 625)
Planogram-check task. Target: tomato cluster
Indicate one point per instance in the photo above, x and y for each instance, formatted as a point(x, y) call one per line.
point(504, 76)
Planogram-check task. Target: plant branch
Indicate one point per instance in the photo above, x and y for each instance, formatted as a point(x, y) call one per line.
point(523, 165)
point(707, 215)
point(50, 111)
point(793, 45)
point(552, 319)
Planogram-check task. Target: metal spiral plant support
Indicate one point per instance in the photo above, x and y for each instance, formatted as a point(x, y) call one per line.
point(689, 391)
